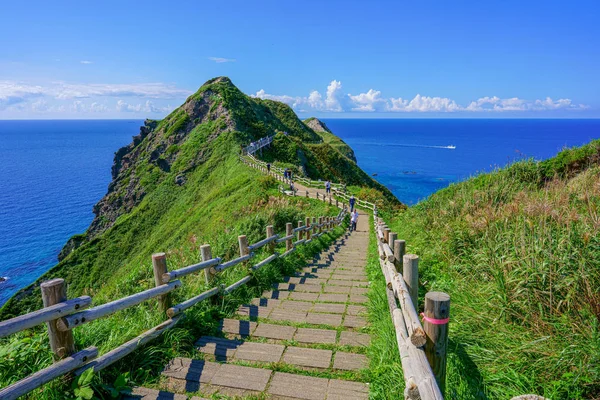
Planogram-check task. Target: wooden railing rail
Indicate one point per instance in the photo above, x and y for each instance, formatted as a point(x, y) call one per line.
point(277, 173)
point(62, 314)
point(422, 354)
point(38, 317)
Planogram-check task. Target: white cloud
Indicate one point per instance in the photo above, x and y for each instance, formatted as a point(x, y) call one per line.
point(334, 93)
point(86, 62)
point(147, 107)
point(220, 60)
point(12, 92)
point(372, 101)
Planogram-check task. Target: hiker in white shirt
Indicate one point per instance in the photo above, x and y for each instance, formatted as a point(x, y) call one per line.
point(353, 220)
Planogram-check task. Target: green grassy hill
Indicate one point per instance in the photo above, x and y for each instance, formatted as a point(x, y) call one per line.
point(519, 252)
point(179, 179)
point(178, 185)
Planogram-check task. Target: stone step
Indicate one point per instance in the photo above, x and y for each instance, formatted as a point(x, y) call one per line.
point(189, 375)
point(142, 393)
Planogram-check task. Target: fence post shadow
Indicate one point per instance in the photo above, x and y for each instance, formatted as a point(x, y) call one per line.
point(468, 370)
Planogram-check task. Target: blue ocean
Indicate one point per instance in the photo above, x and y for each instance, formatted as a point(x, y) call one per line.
point(53, 172)
point(416, 157)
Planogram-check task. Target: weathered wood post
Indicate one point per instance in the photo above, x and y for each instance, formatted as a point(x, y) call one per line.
point(314, 222)
point(243, 242)
point(300, 235)
point(308, 230)
point(386, 234)
point(320, 224)
point(435, 324)
point(271, 232)
point(399, 250)
point(410, 272)
point(307, 193)
point(159, 265)
point(62, 343)
point(206, 254)
point(317, 195)
point(329, 199)
point(289, 230)
point(392, 238)
point(337, 204)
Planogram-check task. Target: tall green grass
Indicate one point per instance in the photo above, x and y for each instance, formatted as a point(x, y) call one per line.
point(518, 250)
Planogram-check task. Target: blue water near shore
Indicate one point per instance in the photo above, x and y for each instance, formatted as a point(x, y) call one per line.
point(53, 172)
point(413, 158)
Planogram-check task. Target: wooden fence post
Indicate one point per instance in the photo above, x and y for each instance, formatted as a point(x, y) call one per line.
point(399, 250)
point(289, 230)
point(243, 242)
point(410, 272)
point(337, 203)
point(206, 254)
point(320, 224)
point(307, 193)
point(386, 234)
point(271, 232)
point(307, 233)
point(314, 221)
point(435, 324)
point(62, 343)
point(392, 238)
point(300, 235)
point(159, 265)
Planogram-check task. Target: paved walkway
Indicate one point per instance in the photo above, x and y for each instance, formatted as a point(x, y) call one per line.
point(305, 339)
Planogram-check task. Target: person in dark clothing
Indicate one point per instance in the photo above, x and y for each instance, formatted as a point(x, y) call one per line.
point(352, 201)
point(268, 167)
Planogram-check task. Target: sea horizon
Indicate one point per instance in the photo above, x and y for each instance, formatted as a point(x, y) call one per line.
point(72, 161)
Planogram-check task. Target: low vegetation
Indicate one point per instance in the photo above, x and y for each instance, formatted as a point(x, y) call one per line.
point(519, 251)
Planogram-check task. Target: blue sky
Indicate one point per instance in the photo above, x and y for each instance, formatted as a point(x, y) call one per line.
point(126, 59)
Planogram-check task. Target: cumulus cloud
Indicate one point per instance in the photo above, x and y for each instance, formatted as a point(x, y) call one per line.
point(220, 60)
point(335, 100)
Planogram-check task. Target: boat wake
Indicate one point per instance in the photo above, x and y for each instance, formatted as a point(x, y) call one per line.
point(449, 147)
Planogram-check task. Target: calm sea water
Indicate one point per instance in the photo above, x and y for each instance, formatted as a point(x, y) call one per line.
point(53, 172)
point(413, 158)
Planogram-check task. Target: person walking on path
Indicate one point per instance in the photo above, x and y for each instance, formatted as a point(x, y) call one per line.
point(268, 167)
point(328, 187)
point(352, 201)
point(353, 220)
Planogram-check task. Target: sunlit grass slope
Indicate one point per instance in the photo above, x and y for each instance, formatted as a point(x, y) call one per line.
point(518, 249)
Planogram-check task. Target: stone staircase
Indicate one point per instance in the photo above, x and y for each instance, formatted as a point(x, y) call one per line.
point(305, 339)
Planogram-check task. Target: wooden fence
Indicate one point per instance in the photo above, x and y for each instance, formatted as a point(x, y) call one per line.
point(61, 315)
point(278, 173)
point(259, 144)
point(422, 347)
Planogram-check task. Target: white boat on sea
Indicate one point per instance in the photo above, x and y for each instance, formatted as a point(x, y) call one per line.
point(451, 147)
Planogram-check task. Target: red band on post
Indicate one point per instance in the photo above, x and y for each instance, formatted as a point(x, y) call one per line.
point(435, 321)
